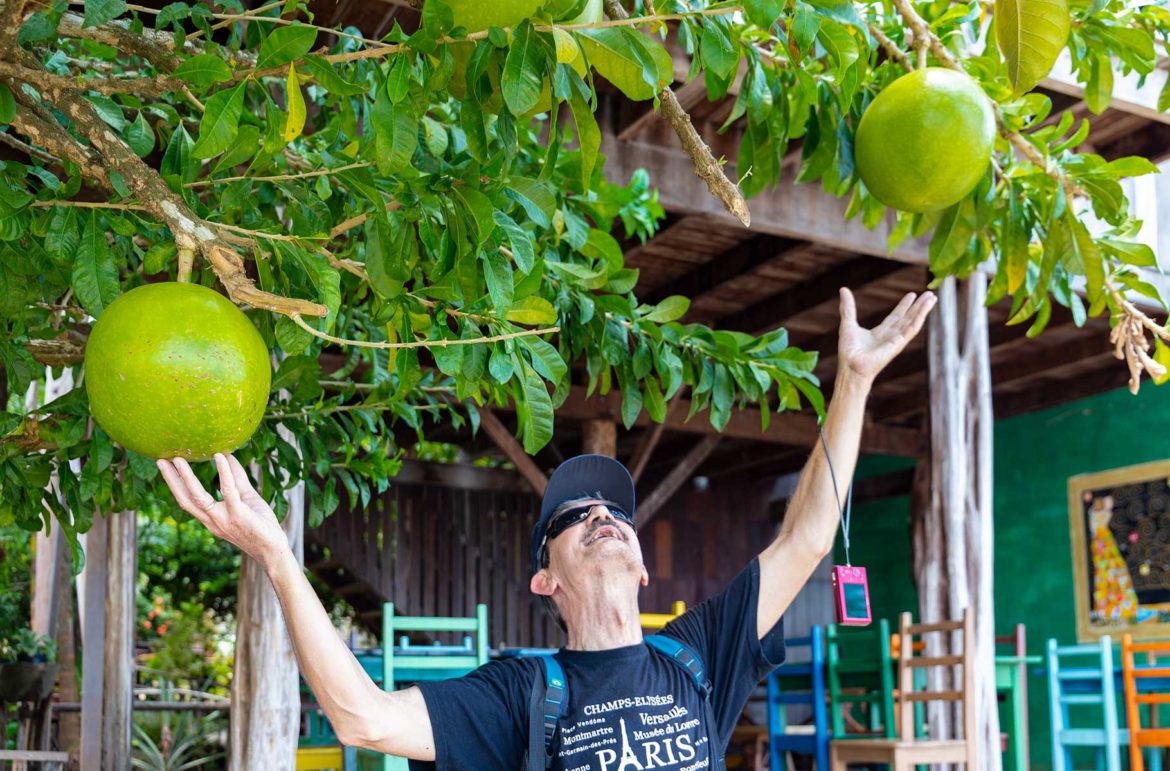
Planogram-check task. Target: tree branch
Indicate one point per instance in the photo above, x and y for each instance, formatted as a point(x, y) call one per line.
point(707, 168)
point(156, 47)
point(145, 86)
point(11, 19)
point(420, 343)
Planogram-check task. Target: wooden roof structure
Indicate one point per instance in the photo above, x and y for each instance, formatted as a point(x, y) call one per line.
point(786, 270)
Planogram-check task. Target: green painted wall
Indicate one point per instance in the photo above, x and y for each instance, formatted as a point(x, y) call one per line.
point(1034, 457)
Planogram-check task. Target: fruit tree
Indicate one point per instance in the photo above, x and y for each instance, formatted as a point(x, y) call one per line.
point(431, 209)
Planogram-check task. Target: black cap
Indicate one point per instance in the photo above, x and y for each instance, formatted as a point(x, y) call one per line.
point(580, 477)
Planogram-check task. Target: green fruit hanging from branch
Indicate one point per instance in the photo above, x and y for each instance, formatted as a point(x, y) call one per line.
point(926, 140)
point(177, 370)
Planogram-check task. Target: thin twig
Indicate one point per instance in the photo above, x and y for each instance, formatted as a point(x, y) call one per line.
point(707, 168)
point(890, 47)
point(278, 177)
point(90, 205)
point(296, 317)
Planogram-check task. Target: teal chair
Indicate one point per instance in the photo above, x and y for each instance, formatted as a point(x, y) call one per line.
point(1081, 679)
point(406, 663)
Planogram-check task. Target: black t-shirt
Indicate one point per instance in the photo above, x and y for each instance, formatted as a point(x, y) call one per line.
point(628, 708)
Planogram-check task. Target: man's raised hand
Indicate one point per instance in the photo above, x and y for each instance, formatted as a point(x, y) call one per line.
point(242, 517)
point(866, 352)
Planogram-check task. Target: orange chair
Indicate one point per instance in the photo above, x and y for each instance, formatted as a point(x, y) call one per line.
point(1144, 684)
point(908, 751)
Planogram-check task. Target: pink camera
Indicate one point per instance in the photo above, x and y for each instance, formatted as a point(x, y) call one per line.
point(851, 595)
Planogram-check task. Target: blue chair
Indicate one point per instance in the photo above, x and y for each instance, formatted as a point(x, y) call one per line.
point(799, 683)
point(1082, 676)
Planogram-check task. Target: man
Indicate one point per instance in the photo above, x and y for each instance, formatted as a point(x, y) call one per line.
point(628, 707)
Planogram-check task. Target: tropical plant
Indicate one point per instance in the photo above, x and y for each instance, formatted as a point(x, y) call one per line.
point(413, 257)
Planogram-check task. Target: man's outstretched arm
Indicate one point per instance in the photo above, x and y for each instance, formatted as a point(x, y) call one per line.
point(362, 714)
point(810, 525)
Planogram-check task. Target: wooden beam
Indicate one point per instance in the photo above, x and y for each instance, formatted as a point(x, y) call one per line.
point(798, 428)
point(675, 479)
point(771, 312)
point(1132, 92)
point(801, 212)
point(740, 259)
point(460, 476)
point(599, 437)
point(1052, 392)
point(121, 584)
point(512, 449)
point(646, 444)
point(1031, 365)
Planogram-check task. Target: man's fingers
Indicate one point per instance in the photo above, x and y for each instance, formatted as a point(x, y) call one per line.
point(898, 313)
point(912, 323)
point(848, 307)
point(227, 482)
point(202, 499)
point(243, 483)
point(177, 485)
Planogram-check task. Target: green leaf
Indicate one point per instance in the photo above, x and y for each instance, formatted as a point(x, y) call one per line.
point(1099, 88)
point(1014, 247)
point(523, 73)
point(1162, 356)
point(296, 106)
point(1086, 251)
point(671, 309)
point(7, 106)
point(100, 11)
point(479, 207)
point(95, 275)
point(292, 339)
point(329, 79)
point(109, 111)
point(204, 70)
point(497, 272)
point(179, 160)
point(500, 364)
point(763, 13)
point(588, 137)
point(140, 136)
point(159, 257)
point(532, 311)
point(951, 238)
point(522, 250)
point(537, 198)
point(1031, 35)
point(631, 404)
point(1131, 253)
point(538, 417)
point(612, 53)
point(395, 134)
point(286, 44)
point(221, 121)
point(546, 359)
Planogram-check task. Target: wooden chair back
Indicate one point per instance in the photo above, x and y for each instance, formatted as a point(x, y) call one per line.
point(1145, 683)
point(917, 690)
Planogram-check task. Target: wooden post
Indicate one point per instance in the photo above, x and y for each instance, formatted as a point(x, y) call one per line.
point(953, 526)
point(93, 641)
point(599, 437)
point(266, 712)
point(513, 450)
point(118, 695)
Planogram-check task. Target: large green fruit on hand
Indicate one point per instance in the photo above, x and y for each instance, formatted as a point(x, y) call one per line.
point(176, 370)
point(926, 140)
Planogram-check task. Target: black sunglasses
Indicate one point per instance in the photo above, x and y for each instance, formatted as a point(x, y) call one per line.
point(578, 514)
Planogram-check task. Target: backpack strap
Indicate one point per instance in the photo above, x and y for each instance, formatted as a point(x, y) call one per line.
point(545, 707)
point(683, 656)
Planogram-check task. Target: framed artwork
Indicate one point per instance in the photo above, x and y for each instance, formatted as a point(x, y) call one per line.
point(1119, 521)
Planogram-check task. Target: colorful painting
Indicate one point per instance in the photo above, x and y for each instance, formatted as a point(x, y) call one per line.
point(1119, 521)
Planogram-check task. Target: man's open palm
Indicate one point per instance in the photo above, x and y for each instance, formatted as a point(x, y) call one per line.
point(242, 517)
point(866, 352)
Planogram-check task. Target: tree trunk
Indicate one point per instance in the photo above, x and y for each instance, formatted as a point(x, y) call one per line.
point(953, 540)
point(266, 711)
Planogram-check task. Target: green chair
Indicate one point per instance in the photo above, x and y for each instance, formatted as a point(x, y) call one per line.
point(860, 671)
point(407, 663)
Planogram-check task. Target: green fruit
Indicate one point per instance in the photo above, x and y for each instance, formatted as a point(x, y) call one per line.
point(478, 15)
point(926, 140)
point(176, 370)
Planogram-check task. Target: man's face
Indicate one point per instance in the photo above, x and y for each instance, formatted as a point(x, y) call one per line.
point(599, 539)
